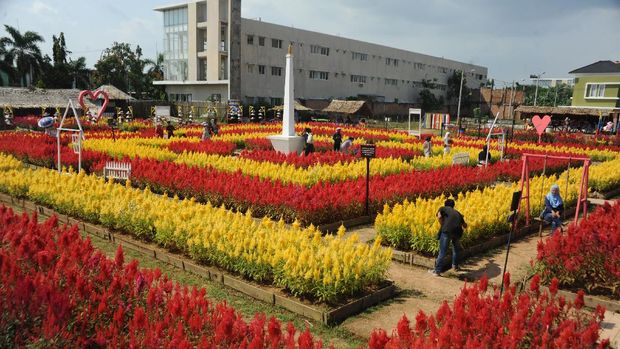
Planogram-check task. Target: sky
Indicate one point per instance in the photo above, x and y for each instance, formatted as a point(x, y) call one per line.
point(513, 39)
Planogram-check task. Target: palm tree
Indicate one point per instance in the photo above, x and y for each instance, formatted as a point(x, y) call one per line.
point(79, 73)
point(6, 64)
point(24, 52)
point(156, 70)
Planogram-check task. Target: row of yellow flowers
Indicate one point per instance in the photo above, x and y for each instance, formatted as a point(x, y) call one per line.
point(286, 173)
point(413, 225)
point(598, 154)
point(300, 260)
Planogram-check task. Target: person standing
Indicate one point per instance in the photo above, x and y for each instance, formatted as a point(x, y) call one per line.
point(554, 207)
point(451, 228)
point(206, 132)
point(170, 130)
point(447, 143)
point(483, 156)
point(309, 141)
point(337, 137)
point(427, 147)
point(159, 130)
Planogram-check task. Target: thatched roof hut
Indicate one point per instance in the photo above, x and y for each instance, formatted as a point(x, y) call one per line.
point(568, 111)
point(298, 107)
point(24, 98)
point(114, 93)
point(348, 107)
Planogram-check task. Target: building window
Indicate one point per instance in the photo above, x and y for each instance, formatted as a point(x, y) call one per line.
point(595, 90)
point(250, 68)
point(276, 43)
point(276, 101)
point(261, 41)
point(261, 69)
point(250, 39)
point(391, 61)
point(319, 50)
point(180, 97)
point(391, 82)
point(276, 71)
point(319, 75)
point(358, 79)
point(358, 56)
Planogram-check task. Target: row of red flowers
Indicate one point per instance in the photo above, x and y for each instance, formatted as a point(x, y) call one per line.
point(58, 291)
point(329, 157)
point(482, 318)
point(320, 203)
point(207, 146)
point(587, 256)
point(41, 149)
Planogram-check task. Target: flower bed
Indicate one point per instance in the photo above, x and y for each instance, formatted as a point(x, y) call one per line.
point(41, 149)
point(299, 260)
point(58, 291)
point(207, 147)
point(481, 318)
point(586, 256)
point(414, 226)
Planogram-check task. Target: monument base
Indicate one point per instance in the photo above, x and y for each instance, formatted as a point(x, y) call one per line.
point(287, 144)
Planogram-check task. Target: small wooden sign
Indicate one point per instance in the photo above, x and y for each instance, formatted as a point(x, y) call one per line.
point(368, 150)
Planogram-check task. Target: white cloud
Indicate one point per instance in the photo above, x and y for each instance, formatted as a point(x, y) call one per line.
point(41, 8)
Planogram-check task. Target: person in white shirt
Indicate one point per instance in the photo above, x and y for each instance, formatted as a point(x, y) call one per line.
point(309, 141)
point(447, 143)
point(345, 147)
point(427, 147)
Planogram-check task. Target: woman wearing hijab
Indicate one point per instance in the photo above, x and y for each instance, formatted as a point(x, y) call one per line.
point(447, 142)
point(554, 207)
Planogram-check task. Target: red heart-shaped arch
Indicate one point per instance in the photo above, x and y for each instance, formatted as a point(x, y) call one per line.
point(93, 96)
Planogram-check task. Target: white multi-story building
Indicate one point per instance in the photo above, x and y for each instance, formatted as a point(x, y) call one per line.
point(212, 53)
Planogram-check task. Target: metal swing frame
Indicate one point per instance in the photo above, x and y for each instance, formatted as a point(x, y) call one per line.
point(582, 199)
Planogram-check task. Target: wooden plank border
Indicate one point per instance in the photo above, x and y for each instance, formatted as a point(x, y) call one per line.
point(321, 313)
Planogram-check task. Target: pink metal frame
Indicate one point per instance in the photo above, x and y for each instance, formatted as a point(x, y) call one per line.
point(582, 201)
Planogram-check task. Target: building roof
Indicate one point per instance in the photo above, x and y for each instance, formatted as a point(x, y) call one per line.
point(298, 107)
point(346, 107)
point(38, 98)
point(599, 67)
point(115, 93)
point(528, 109)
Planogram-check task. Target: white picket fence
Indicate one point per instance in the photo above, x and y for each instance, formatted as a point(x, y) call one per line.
point(460, 159)
point(117, 170)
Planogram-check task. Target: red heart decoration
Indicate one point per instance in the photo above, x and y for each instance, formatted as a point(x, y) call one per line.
point(93, 96)
point(541, 124)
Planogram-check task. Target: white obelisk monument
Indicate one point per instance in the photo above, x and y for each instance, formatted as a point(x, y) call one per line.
point(288, 142)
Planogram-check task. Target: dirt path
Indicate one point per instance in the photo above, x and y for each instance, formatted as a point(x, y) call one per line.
point(421, 291)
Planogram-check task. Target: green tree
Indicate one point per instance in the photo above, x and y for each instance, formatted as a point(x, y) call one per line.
point(126, 69)
point(155, 72)
point(23, 52)
point(7, 72)
point(79, 73)
point(548, 96)
point(454, 88)
point(59, 49)
point(114, 66)
point(429, 102)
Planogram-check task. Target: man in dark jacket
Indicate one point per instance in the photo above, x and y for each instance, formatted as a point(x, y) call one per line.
point(452, 224)
point(337, 137)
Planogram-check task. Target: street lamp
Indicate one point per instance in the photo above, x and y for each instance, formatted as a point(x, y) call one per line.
point(537, 77)
point(458, 110)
